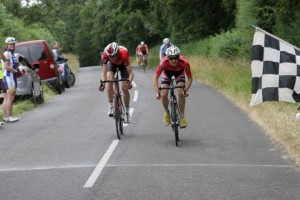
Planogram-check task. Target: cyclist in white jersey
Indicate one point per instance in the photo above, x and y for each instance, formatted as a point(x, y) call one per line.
point(10, 72)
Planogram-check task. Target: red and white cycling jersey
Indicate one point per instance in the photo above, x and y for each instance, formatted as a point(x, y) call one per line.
point(182, 65)
point(142, 48)
point(122, 59)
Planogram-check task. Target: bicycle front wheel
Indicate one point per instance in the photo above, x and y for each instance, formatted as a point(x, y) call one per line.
point(121, 117)
point(174, 120)
point(117, 116)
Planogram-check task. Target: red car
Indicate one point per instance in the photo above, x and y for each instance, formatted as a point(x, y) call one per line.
point(39, 52)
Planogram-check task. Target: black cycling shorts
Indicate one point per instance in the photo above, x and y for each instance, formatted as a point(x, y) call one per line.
point(122, 68)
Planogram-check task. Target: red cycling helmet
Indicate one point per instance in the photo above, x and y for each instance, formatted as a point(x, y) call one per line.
point(112, 49)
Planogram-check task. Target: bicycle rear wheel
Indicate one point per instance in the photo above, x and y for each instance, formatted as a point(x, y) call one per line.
point(117, 116)
point(174, 120)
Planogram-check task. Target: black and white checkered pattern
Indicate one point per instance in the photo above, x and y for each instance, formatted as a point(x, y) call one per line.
point(275, 69)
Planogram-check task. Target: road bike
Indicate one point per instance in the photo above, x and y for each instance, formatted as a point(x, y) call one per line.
point(143, 58)
point(118, 104)
point(174, 108)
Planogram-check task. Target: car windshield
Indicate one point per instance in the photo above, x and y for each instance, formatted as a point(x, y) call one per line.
point(33, 52)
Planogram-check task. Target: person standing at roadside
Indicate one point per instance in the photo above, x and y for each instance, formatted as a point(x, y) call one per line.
point(2, 88)
point(57, 53)
point(10, 71)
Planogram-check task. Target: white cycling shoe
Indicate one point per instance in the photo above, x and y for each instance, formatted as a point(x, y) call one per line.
point(11, 119)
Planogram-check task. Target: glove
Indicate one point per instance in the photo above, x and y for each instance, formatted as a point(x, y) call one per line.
point(101, 87)
point(129, 85)
point(158, 96)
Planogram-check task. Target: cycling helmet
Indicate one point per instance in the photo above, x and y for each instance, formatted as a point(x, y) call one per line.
point(10, 40)
point(173, 51)
point(166, 41)
point(112, 49)
point(142, 43)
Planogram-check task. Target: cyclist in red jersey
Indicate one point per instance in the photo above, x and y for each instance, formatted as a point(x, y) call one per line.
point(142, 49)
point(116, 56)
point(175, 65)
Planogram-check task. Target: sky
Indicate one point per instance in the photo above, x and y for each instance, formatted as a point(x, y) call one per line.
point(31, 2)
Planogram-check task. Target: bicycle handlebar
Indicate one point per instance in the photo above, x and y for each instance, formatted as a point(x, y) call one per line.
point(114, 81)
point(171, 88)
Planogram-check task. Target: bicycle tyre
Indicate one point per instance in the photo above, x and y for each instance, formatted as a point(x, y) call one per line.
point(121, 117)
point(117, 116)
point(175, 119)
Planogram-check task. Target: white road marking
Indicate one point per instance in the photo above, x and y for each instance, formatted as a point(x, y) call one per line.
point(136, 95)
point(96, 173)
point(134, 84)
point(130, 114)
point(203, 165)
point(147, 165)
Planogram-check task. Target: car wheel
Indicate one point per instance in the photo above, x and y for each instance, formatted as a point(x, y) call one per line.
point(33, 97)
point(40, 99)
point(71, 78)
point(67, 82)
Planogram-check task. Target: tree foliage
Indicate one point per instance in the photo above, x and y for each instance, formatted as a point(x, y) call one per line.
point(85, 27)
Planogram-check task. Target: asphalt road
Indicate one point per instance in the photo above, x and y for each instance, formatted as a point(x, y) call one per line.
point(67, 149)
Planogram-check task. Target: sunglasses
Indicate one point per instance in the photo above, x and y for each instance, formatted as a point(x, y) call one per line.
point(173, 57)
point(113, 56)
point(12, 44)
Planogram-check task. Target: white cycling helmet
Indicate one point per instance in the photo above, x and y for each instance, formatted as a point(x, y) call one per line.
point(112, 49)
point(10, 40)
point(173, 51)
point(166, 41)
point(142, 43)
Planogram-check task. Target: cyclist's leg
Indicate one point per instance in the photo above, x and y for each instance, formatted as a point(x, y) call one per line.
point(140, 59)
point(181, 100)
point(180, 81)
point(111, 69)
point(165, 82)
point(126, 94)
point(110, 76)
point(145, 60)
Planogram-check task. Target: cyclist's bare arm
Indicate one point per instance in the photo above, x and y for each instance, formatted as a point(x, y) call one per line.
point(160, 56)
point(188, 82)
point(130, 73)
point(3, 58)
point(187, 86)
point(155, 84)
point(104, 72)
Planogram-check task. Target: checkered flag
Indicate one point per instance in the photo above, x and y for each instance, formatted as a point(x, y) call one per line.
point(275, 69)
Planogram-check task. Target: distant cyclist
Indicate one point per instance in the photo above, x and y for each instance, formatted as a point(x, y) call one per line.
point(116, 56)
point(173, 65)
point(163, 48)
point(142, 52)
